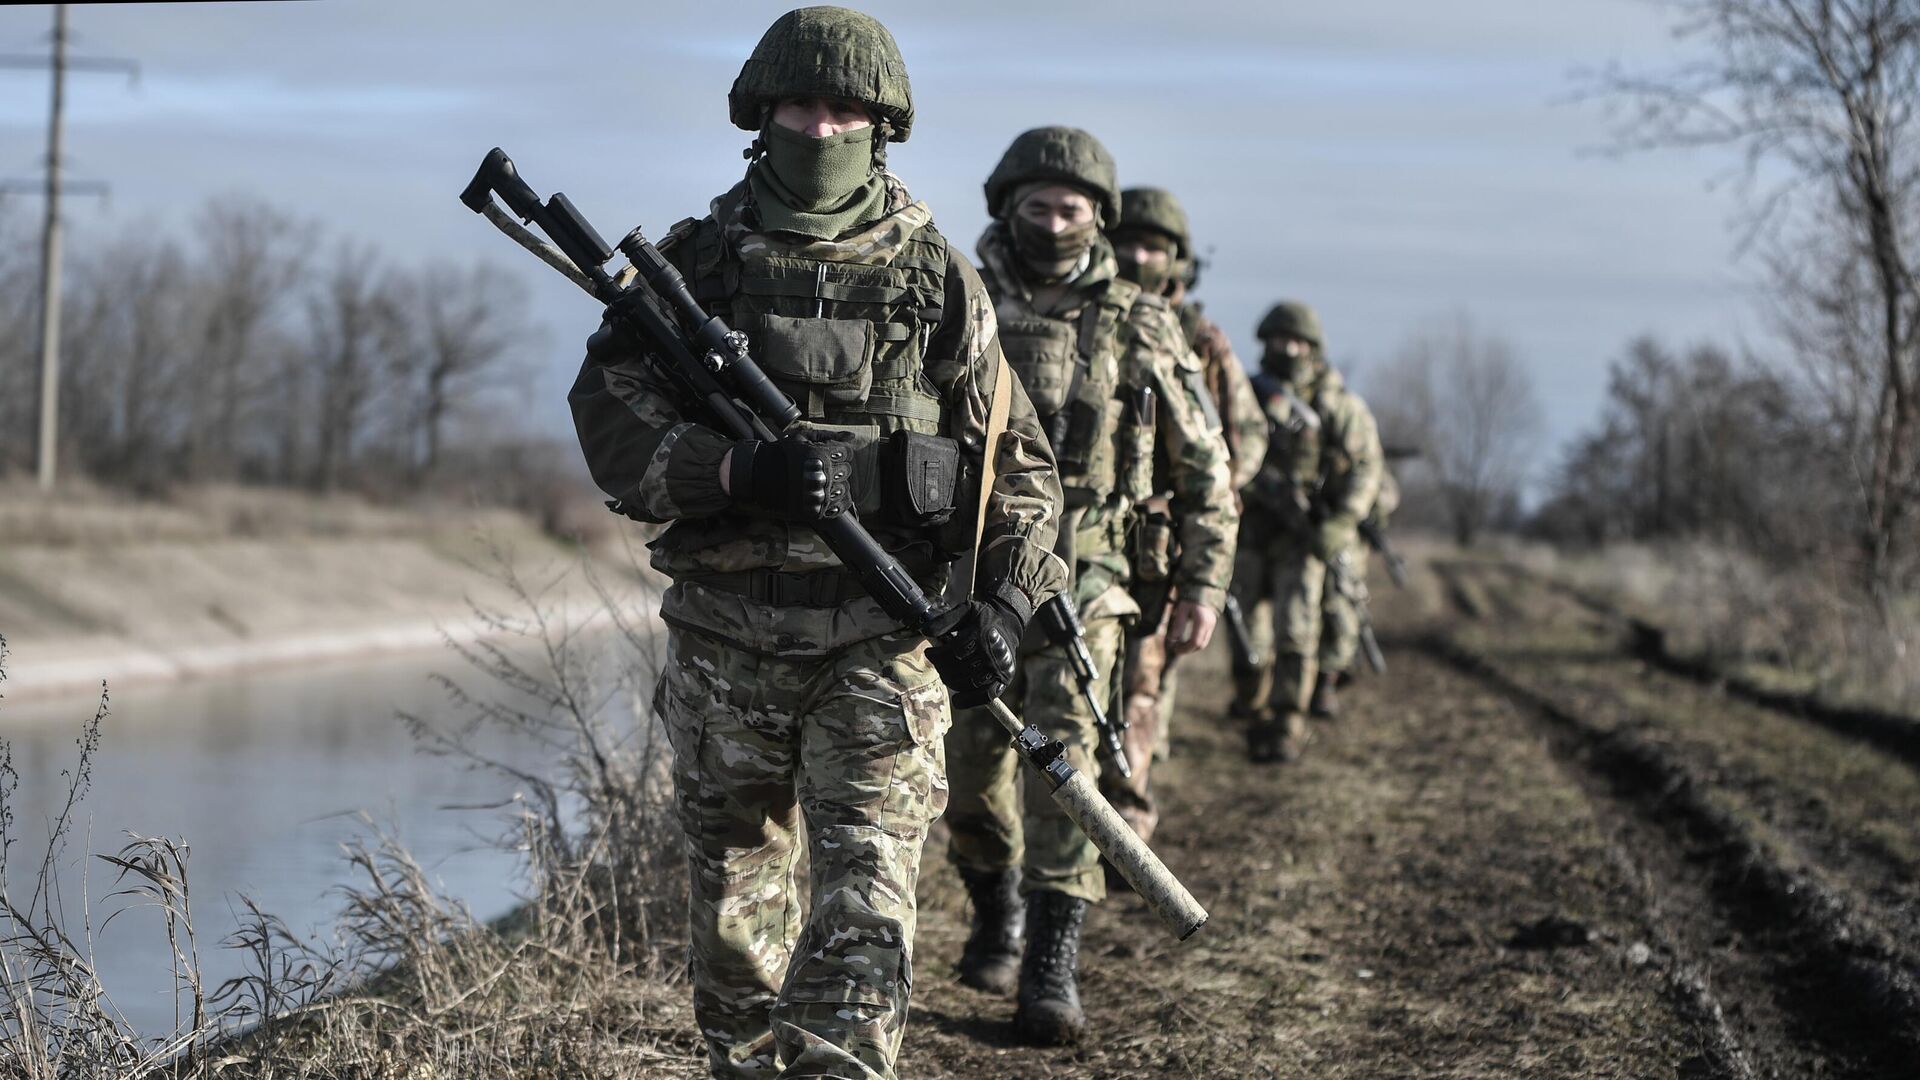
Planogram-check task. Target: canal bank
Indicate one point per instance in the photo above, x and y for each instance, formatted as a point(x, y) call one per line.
point(222, 581)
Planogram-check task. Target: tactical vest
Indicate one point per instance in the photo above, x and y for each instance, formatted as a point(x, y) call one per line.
point(1295, 446)
point(1098, 415)
point(847, 342)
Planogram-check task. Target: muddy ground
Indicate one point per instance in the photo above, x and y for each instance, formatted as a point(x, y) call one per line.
point(1524, 852)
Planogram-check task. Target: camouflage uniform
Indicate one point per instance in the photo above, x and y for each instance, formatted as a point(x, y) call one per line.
point(1088, 348)
point(1151, 679)
point(792, 700)
point(1340, 627)
point(1320, 475)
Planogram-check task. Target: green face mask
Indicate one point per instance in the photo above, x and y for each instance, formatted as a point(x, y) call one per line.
point(1052, 254)
point(1152, 279)
point(1288, 368)
point(815, 175)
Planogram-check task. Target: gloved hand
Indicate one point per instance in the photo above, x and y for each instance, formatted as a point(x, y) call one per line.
point(1330, 538)
point(803, 476)
point(975, 657)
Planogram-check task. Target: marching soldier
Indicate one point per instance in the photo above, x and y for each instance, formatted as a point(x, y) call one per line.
point(1155, 251)
point(799, 711)
point(1114, 383)
point(1303, 511)
point(1342, 609)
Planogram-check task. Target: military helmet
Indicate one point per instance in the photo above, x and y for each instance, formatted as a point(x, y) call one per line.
point(1157, 209)
point(1290, 318)
point(1056, 155)
point(824, 52)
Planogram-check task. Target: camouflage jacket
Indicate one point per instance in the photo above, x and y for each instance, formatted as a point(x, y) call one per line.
point(1243, 424)
point(1321, 471)
point(1152, 353)
point(663, 466)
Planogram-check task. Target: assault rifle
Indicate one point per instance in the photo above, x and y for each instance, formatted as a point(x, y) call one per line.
point(710, 364)
point(1340, 576)
point(1062, 622)
point(1376, 538)
point(1240, 637)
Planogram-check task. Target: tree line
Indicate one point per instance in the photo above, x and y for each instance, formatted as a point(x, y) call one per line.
point(257, 349)
point(1815, 452)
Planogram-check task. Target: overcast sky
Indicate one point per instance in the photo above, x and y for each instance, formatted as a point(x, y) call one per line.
point(1387, 160)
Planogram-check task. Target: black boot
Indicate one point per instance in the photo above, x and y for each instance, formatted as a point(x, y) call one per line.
point(991, 960)
point(1049, 1012)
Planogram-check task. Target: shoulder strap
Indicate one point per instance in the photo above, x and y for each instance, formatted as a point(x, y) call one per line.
point(999, 406)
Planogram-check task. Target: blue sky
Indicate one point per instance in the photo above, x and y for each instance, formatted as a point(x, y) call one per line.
point(1390, 161)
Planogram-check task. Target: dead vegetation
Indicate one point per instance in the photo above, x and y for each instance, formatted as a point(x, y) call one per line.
point(584, 979)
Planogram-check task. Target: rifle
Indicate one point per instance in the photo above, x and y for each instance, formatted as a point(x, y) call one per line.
point(1376, 538)
point(1240, 637)
point(1063, 626)
point(1340, 575)
point(710, 363)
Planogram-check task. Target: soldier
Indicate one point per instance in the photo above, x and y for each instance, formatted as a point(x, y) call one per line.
point(792, 700)
point(1114, 382)
point(1341, 609)
point(1304, 508)
point(1156, 253)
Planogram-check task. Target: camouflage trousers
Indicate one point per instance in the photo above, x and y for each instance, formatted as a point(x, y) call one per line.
point(1340, 617)
point(1002, 814)
point(1279, 585)
point(1150, 682)
point(793, 982)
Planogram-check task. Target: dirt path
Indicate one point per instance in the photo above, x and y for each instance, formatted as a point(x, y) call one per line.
point(1525, 854)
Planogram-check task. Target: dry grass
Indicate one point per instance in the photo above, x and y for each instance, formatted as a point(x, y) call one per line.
point(1805, 630)
point(584, 979)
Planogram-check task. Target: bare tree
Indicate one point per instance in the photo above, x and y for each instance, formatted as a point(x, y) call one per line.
point(351, 323)
point(128, 360)
point(1699, 444)
point(252, 257)
point(464, 327)
point(1824, 92)
point(1465, 399)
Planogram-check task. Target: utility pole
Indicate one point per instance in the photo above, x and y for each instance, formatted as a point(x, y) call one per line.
point(50, 238)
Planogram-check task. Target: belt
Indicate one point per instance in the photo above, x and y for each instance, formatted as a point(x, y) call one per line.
point(812, 588)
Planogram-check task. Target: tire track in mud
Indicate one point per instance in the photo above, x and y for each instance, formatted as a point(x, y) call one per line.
point(1833, 973)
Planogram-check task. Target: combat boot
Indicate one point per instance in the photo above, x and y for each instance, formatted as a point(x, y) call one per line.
point(1326, 701)
point(1270, 740)
point(1049, 1012)
point(991, 959)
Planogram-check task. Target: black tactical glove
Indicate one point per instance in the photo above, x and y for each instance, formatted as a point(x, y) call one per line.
point(975, 656)
point(804, 476)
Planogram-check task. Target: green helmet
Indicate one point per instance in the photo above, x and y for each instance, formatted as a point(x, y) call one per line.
point(1290, 318)
point(1056, 155)
point(825, 52)
point(1157, 209)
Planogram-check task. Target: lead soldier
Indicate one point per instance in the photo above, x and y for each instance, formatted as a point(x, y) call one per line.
point(800, 713)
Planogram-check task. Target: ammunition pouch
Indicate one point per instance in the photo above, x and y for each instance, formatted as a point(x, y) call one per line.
point(817, 362)
point(1152, 542)
point(919, 479)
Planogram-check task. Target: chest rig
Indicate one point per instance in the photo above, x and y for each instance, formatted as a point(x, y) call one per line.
point(847, 341)
point(1098, 413)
